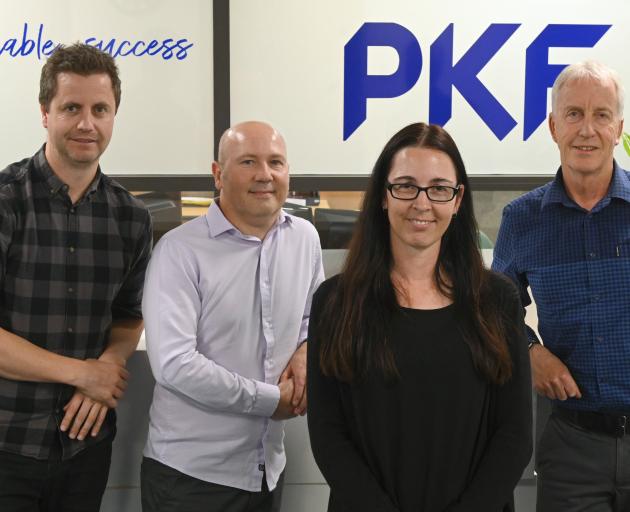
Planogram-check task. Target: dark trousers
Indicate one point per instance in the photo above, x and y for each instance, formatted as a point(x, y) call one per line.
point(165, 489)
point(74, 485)
point(582, 471)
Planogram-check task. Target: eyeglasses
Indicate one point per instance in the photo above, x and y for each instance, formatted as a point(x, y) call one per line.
point(435, 193)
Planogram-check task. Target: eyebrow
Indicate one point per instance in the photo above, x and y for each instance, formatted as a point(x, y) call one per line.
point(434, 181)
point(595, 109)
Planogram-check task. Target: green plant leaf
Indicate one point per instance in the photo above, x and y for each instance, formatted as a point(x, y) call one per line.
point(626, 142)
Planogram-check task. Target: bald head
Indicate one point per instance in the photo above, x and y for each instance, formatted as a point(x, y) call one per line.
point(252, 176)
point(235, 137)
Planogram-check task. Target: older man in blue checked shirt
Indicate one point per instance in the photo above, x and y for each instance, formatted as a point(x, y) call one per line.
point(227, 306)
point(569, 241)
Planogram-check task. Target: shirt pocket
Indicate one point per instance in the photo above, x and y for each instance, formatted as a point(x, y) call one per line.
point(615, 281)
point(622, 249)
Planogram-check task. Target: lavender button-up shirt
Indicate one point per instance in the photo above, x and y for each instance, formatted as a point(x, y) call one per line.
point(224, 312)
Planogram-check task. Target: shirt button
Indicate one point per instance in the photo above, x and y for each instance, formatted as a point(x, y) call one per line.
point(70, 329)
point(70, 290)
point(591, 255)
point(71, 248)
point(71, 210)
point(595, 298)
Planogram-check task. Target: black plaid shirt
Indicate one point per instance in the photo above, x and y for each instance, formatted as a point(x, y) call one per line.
point(66, 271)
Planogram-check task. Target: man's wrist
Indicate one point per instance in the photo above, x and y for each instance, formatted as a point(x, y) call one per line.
point(266, 399)
point(113, 357)
point(74, 372)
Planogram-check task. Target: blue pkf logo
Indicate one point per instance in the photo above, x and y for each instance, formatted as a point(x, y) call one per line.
point(462, 75)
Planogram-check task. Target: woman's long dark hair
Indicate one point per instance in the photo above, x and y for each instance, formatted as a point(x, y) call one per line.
point(356, 319)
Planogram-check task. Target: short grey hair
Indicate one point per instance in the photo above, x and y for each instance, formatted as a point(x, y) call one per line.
point(592, 70)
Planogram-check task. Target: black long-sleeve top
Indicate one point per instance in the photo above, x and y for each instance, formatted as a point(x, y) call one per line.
point(440, 437)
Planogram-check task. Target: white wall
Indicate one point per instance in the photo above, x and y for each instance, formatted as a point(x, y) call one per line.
point(164, 124)
point(287, 62)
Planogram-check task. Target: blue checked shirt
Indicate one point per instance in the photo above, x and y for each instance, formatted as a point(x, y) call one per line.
point(577, 264)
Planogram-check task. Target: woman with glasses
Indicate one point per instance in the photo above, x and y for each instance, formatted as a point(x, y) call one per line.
point(418, 373)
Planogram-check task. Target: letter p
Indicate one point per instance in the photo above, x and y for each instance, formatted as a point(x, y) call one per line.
point(358, 86)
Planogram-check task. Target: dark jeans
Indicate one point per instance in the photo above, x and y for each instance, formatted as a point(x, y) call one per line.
point(165, 489)
point(582, 471)
point(74, 485)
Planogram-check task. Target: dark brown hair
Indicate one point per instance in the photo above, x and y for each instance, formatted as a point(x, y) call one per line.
point(81, 59)
point(356, 318)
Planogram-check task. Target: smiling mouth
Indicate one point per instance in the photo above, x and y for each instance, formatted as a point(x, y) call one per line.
point(419, 222)
point(585, 148)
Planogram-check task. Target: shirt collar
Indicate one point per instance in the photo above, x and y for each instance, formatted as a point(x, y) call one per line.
point(54, 184)
point(219, 224)
point(619, 188)
point(556, 192)
point(620, 184)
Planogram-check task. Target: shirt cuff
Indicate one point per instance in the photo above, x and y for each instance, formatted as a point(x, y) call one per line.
point(267, 399)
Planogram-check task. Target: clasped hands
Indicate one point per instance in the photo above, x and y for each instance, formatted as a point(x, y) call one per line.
point(103, 381)
point(99, 385)
point(292, 386)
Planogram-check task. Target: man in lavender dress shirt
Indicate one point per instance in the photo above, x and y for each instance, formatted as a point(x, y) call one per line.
point(226, 307)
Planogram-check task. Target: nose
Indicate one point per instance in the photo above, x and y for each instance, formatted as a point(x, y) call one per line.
point(86, 122)
point(422, 201)
point(586, 128)
point(263, 173)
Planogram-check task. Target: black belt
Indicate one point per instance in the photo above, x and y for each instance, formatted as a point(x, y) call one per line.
point(615, 425)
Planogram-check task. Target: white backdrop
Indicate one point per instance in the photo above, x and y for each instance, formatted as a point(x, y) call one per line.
point(164, 124)
point(287, 61)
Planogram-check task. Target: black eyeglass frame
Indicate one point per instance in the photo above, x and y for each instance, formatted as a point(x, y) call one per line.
point(426, 190)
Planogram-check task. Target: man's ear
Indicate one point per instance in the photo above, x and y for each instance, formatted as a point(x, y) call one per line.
point(552, 127)
point(42, 109)
point(620, 132)
point(217, 174)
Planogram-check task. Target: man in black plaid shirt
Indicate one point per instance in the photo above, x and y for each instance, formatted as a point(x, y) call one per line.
point(74, 246)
